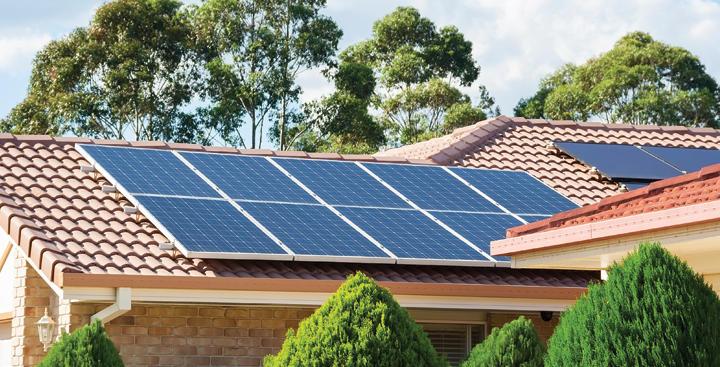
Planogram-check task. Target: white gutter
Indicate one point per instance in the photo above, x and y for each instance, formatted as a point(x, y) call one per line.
point(123, 303)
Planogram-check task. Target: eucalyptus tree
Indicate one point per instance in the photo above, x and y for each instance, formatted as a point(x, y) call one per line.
point(253, 51)
point(128, 74)
point(420, 69)
point(639, 81)
point(341, 122)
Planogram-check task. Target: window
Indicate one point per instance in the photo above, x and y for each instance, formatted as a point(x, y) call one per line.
point(454, 341)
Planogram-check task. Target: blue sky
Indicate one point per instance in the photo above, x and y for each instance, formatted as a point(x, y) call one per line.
point(515, 42)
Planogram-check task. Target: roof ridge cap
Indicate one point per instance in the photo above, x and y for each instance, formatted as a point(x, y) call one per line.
point(470, 138)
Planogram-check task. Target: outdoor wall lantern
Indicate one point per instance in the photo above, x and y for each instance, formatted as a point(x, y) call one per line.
point(46, 328)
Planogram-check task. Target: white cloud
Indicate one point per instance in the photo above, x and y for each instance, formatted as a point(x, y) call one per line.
point(17, 50)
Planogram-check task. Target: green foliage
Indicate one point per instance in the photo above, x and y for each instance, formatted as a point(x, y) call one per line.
point(461, 114)
point(253, 52)
point(516, 344)
point(639, 81)
point(654, 310)
point(361, 325)
point(420, 69)
point(127, 73)
point(341, 122)
point(88, 346)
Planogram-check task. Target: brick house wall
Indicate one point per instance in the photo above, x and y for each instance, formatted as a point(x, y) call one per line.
point(184, 335)
point(32, 296)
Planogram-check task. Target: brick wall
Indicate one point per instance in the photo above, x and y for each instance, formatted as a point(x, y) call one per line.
point(32, 296)
point(162, 335)
point(544, 328)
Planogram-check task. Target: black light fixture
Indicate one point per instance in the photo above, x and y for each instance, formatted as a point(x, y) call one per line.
point(546, 315)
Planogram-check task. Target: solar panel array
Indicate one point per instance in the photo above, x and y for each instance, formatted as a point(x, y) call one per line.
point(636, 166)
point(243, 207)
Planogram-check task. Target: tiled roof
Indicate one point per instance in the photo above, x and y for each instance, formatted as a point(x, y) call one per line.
point(693, 188)
point(65, 223)
point(521, 144)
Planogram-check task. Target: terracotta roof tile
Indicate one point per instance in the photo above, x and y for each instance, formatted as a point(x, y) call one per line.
point(692, 188)
point(65, 223)
point(521, 144)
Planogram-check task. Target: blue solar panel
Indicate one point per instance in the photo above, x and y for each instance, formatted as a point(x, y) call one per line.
point(312, 230)
point(410, 234)
point(431, 187)
point(149, 171)
point(209, 226)
point(480, 229)
point(619, 161)
point(685, 159)
point(516, 191)
point(248, 178)
point(342, 183)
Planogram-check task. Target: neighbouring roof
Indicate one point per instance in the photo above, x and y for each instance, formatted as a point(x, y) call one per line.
point(693, 188)
point(69, 227)
point(522, 144)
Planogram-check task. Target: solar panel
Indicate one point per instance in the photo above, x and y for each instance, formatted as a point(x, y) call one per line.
point(516, 191)
point(178, 192)
point(342, 183)
point(209, 228)
point(431, 187)
point(313, 230)
point(685, 159)
point(248, 178)
point(409, 234)
point(619, 161)
point(480, 229)
point(149, 171)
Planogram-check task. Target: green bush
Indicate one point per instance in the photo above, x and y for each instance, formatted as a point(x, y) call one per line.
point(652, 311)
point(361, 325)
point(516, 344)
point(88, 346)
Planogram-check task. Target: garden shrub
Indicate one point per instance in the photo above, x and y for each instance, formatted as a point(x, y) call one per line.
point(653, 310)
point(516, 344)
point(88, 346)
point(361, 325)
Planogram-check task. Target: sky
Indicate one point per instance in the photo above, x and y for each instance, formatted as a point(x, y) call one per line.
point(515, 42)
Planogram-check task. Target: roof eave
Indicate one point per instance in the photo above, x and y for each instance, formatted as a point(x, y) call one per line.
point(315, 286)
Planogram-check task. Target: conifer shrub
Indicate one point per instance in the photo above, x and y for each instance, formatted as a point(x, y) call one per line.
point(88, 346)
point(653, 310)
point(515, 344)
point(361, 325)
